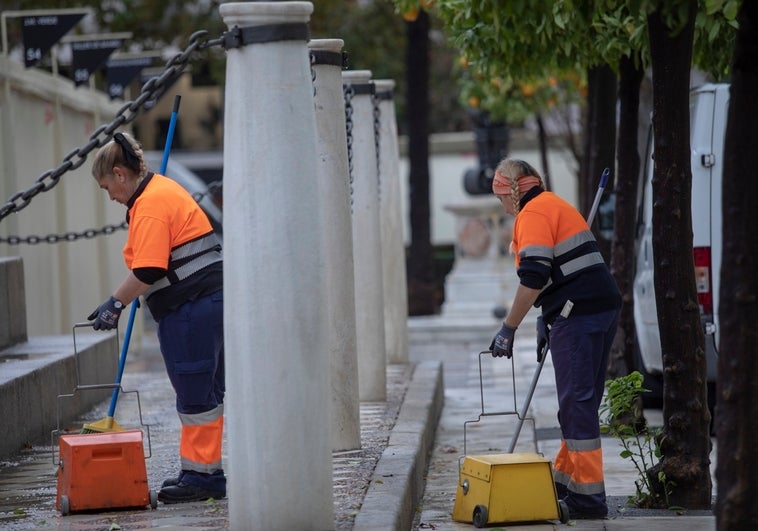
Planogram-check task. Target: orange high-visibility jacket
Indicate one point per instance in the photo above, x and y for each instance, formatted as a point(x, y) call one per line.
point(557, 253)
point(168, 230)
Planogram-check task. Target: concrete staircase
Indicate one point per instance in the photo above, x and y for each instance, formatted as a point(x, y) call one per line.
point(35, 372)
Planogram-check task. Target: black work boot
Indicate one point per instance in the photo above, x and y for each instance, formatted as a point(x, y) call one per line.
point(183, 492)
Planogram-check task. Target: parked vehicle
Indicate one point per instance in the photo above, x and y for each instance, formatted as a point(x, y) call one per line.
point(192, 183)
point(708, 111)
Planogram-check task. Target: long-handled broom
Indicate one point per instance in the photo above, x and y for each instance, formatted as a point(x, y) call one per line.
point(108, 424)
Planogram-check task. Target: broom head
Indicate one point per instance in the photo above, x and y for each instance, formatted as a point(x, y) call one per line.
point(106, 425)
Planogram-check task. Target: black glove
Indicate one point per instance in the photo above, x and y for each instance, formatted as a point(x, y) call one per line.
point(502, 344)
point(106, 315)
point(543, 338)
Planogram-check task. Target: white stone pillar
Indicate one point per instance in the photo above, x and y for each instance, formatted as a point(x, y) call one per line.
point(333, 176)
point(391, 225)
point(277, 358)
point(367, 251)
point(476, 286)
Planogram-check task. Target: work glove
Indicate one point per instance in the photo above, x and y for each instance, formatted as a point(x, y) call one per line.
point(106, 315)
point(543, 338)
point(502, 344)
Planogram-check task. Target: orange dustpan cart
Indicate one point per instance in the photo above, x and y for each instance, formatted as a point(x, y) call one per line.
point(102, 471)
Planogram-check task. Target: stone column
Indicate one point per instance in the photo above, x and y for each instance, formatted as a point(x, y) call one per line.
point(367, 251)
point(391, 225)
point(277, 364)
point(475, 288)
point(333, 177)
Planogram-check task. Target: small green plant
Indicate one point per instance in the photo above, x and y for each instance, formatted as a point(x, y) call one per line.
point(621, 417)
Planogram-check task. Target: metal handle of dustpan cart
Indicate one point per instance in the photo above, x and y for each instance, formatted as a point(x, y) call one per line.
point(57, 432)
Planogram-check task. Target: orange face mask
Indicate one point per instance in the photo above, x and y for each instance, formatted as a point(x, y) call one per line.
point(501, 185)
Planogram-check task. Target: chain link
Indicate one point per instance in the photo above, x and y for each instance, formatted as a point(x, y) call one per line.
point(348, 92)
point(377, 143)
point(65, 237)
point(313, 71)
point(91, 233)
point(213, 187)
point(151, 90)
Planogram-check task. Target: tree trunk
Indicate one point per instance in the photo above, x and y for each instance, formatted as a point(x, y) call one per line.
point(542, 137)
point(737, 404)
point(686, 443)
point(599, 143)
point(627, 181)
point(421, 291)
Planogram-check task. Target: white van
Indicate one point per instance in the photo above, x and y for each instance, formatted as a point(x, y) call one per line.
point(708, 110)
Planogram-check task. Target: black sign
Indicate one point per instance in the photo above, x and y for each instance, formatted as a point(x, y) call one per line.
point(121, 71)
point(89, 55)
point(41, 32)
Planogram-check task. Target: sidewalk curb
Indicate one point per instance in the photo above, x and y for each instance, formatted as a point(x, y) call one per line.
point(397, 485)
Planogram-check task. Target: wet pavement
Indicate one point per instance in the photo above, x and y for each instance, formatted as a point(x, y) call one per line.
point(364, 491)
point(28, 485)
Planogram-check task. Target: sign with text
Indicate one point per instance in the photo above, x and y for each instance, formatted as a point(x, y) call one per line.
point(89, 55)
point(41, 32)
point(120, 71)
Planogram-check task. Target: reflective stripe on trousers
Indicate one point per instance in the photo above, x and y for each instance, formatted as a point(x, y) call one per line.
point(201, 439)
point(580, 345)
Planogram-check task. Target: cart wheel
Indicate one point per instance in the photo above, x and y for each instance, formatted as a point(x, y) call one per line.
point(65, 505)
point(153, 499)
point(480, 516)
point(563, 510)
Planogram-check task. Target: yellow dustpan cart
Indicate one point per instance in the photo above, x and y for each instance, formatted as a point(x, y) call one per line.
point(502, 488)
point(509, 487)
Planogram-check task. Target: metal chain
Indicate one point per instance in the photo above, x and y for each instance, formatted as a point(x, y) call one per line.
point(66, 237)
point(348, 93)
point(212, 188)
point(313, 72)
point(91, 233)
point(151, 90)
point(377, 144)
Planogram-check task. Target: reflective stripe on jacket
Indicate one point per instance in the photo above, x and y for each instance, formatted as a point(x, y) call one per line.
point(168, 230)
point(558, 254)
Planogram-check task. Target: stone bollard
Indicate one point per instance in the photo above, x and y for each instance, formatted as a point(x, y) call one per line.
point(391, 224)
point(367, 247)
point(276, 341)
point(334, 195)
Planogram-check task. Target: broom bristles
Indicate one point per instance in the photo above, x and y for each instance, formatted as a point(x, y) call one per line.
point(105, 425)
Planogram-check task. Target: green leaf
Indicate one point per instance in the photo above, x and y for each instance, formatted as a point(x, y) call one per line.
point(731, 9)
point(712, 6)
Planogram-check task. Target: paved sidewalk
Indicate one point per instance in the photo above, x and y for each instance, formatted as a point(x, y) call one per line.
point(393, 481)
point(28, 482)
point(492, 435)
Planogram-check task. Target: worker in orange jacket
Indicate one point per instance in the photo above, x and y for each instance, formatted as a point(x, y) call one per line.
point(175, 263)
point(561, 271)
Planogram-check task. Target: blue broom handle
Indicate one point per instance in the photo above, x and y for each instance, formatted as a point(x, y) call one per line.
point(170, 135)
point(598, 195)
point(135, 303)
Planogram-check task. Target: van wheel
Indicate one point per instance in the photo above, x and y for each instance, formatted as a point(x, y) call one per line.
point(651, 382)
